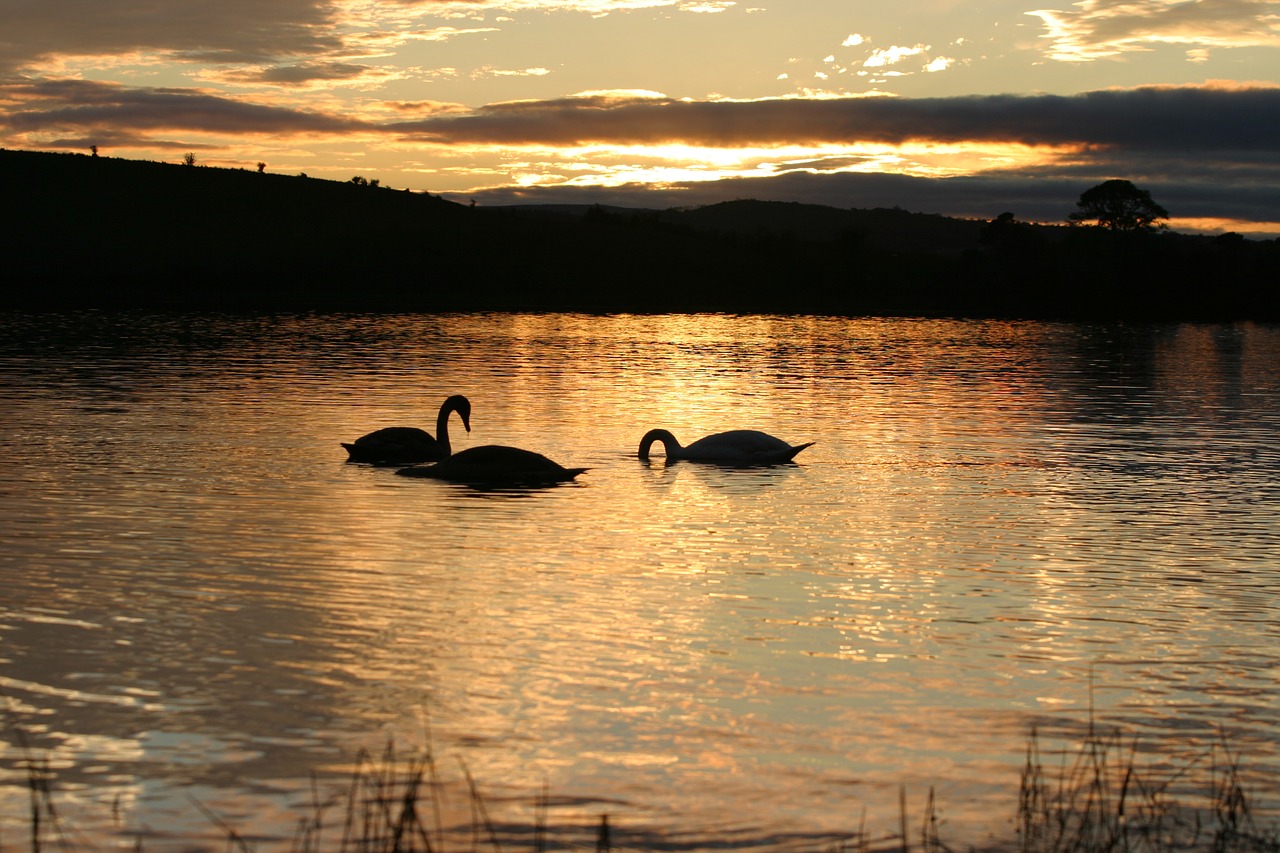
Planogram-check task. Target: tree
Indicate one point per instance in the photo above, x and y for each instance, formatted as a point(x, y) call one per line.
point(998, 230)
point(1005, 235)
point(262, 167)
point(189, 159)
point(1118, 205)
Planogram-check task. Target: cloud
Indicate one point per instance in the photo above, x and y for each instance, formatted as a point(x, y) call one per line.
point(1188, 120)
point(1151, 118)
point(302, 74)
point(708, 6)
point(892, 55)
point(103, 109)
point(491, 71)
point(196, 30)
point(37, 33)
point(424, 107)
point(1095, 29)
point(447, 33)
point(594, 7)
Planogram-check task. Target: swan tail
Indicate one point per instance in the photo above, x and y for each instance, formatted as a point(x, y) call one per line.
point(795, 450)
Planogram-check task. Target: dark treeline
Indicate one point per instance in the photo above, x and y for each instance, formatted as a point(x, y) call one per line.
point(96, 231)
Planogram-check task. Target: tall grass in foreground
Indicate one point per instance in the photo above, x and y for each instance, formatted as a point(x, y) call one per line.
point(1095, 800)
point(1099, 801)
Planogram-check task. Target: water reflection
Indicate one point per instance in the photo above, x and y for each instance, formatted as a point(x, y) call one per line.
point(735, 479)
point(1001, 524)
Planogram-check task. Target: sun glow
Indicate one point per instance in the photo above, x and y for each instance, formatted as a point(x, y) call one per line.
point(1210, 225)
point(617, 165)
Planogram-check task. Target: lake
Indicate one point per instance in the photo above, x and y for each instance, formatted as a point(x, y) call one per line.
point(1001, 526)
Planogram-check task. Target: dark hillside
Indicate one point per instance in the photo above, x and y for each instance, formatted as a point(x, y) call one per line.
point(89, 230)
point(889, 230)
point(99, 227)
point(80, 230)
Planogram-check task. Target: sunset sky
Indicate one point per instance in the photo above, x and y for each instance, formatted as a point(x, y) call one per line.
point(939, 106)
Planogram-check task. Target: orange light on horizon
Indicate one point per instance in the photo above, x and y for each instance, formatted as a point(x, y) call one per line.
point(607, 165)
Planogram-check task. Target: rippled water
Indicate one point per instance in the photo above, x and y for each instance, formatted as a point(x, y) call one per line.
point(1000, 525)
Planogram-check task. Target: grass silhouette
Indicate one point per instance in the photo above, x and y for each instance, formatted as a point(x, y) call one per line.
point(1092, 798)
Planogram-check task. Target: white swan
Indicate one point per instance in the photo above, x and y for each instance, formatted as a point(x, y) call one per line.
point(736, 447)
point(495, 465)
point(405, 445)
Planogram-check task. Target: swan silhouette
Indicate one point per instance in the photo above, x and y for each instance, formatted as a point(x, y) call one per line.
point(495, 465)
point(406, 445)
point(735, 447)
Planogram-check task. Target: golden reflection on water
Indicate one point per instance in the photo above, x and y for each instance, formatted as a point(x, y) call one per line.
point(995, 517)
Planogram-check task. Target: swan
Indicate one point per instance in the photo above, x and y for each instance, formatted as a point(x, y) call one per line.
point(404, 445)
point(735, 447)
point(495, 465)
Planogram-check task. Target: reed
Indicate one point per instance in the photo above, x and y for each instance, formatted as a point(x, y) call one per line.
point(1100, 801)
point(1095, 799)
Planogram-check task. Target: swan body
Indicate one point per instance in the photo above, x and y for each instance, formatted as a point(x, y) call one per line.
point(406, 445)
point(495, 465)
point(735, 447)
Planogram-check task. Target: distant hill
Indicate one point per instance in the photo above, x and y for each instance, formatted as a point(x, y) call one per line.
point(891, 230)
point(79, 231)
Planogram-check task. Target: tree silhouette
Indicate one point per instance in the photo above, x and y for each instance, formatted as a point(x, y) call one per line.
point(1005, 235)
point(189, 159)
point(997, 230)
point(1118, 205)
point(262, 167)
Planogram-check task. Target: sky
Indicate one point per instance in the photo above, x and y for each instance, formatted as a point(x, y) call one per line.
point(964, 109)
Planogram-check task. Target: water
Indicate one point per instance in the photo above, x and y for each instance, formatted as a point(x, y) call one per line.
point(1001, 525)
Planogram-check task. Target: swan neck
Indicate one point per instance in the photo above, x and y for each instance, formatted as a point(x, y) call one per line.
point(669, 443)
point(456, 403)
point(442, 427)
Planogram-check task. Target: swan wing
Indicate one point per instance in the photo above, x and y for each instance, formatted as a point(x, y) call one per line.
point(742, 447)
point(493, 464)
point(394, 445)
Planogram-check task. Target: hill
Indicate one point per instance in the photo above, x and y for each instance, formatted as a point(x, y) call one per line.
point(890, 230)
point(80, 230)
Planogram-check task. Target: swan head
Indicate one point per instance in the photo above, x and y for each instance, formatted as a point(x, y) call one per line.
point(461, 405)
point(668, 441)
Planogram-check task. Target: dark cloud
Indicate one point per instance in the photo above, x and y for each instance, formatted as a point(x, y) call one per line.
point(298, 75)
point(1177, 122)
point(1150, 119)
point(198, 30)
point(1167, 125)
point(70, 106)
